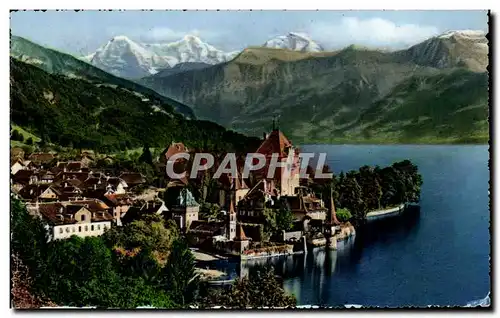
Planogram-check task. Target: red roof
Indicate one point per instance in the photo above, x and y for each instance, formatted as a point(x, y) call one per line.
point(132, 178)
point(63, 212)
point(41, 157)
point(118, 199)
point(175, 148)
point(276, 142)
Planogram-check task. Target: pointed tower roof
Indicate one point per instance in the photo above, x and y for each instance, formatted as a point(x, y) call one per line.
point(333, 214)
point(231, 200)
point(276, 142)
point(240, 234)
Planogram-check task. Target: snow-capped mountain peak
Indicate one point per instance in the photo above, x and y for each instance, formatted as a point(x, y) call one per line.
point(190, 49)
point(472, 34)
point(294, 41)
point(124, 57)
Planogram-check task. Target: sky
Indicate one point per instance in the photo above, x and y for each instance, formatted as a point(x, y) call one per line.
point(83, 32)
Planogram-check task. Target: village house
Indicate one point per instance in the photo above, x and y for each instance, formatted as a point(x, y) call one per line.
point(23, 178)
point(120, 203)
point(263, 194)
point(40, 191)
point(86, 159)
point(142, 208)
point(17, 152)
point(45, 176)
point(82, 176)
point(80, 218)
point(225, 182)
point(116, 185)
point(132, 179)
point(16, 164)
point(28, 164)
point(41, 158)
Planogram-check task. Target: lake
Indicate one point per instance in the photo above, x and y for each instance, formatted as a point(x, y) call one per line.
point(438, 255)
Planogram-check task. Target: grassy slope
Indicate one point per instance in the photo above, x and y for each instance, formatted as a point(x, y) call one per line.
point(74, 112)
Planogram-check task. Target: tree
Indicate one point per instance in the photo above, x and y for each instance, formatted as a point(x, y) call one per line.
point(210, 211)
point(29, 238)
point(370, 186)
point(343, 214)
point(21, 291)
point(284, 217)
point(16, 135)
point(260, 289)
point(146, 155)
point(179, 278)
point(351, 198)
point(155, 236)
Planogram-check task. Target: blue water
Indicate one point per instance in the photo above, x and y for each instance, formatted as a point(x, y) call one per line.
point(437, 256)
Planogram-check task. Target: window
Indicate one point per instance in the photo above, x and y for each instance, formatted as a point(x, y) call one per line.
point(67, 230)
point(83, 217)
point(79, 229)
point(92, 228)
point(86, 228)
point(60, 230)
point(98, 226)
point(73, 230)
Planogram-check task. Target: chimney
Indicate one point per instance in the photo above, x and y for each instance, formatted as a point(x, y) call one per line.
point(147, 204)
point(65, 184)
point(95, 186)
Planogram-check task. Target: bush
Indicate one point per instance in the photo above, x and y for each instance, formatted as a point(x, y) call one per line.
point(16, 135)
point(343, 215)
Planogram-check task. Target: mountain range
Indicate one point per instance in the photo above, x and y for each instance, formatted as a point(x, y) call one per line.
point(125, 58)
point(435, 91)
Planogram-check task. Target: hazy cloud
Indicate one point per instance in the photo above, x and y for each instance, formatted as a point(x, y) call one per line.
point(168, 34)
point(374, 32)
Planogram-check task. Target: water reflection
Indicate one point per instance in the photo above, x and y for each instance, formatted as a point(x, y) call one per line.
point(313, 277)
point(316, 277)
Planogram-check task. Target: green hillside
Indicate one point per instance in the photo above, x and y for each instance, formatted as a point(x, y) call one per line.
point(76, 113)
point(56, 62)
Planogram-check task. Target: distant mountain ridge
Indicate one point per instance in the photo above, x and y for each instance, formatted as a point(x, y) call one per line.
point(56, 62)
point(322, 96)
